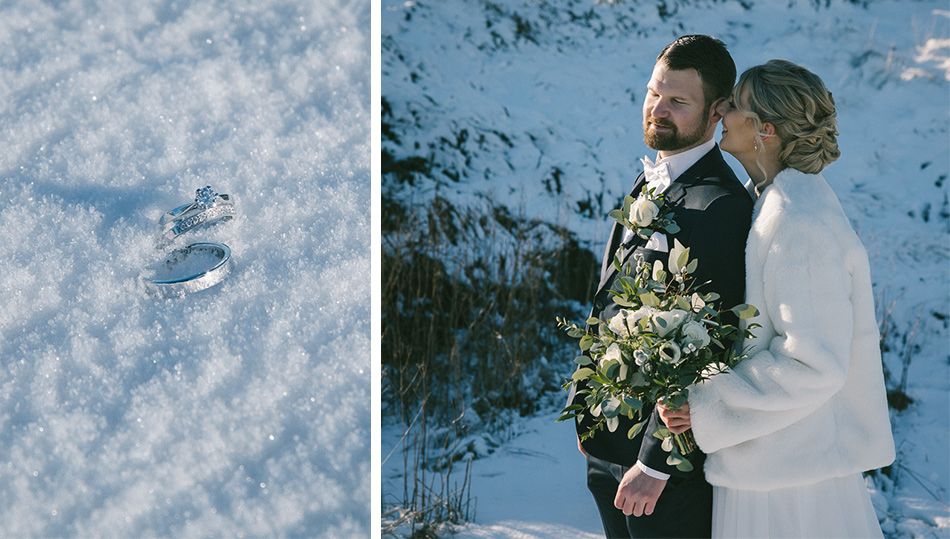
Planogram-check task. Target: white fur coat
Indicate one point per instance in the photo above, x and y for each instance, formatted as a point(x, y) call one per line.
point(809, 402)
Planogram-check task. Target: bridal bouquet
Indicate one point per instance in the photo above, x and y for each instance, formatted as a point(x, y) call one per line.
point(664, 339)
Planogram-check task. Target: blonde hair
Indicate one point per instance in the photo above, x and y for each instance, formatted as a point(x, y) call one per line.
point(796, 102)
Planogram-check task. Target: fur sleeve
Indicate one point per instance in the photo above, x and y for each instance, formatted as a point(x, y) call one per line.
point(807, 299)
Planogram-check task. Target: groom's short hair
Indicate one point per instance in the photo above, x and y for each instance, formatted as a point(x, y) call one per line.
point(709, 57)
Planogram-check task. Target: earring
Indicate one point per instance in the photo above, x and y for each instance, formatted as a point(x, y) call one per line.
point(755, 144)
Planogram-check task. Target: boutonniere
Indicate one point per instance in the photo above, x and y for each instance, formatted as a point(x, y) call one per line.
point(646, 214)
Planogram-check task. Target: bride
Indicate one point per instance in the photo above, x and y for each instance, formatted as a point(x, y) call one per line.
point(790, 429)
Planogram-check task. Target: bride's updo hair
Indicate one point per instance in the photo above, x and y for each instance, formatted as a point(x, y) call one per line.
point(796, 102)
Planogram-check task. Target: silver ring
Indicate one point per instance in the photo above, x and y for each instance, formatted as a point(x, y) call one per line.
point(190, 269)
point(208, 208)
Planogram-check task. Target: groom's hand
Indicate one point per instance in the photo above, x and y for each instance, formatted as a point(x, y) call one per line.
point(638, 492)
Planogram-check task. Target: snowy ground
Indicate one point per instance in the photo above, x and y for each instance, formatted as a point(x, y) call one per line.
point(242, 410)
point(557, 86)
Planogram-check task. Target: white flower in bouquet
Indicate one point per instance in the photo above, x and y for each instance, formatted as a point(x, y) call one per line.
point(618, 324)
point(643, 211)
point(613, 352)
point(634, 316)
point(695, 333)
point(665, 322)
point(670, 352)
point(624, 323)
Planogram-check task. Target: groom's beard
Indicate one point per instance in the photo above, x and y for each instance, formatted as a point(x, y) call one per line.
point(674, 140)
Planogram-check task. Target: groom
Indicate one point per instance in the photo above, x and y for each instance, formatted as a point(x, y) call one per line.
point(637, 493)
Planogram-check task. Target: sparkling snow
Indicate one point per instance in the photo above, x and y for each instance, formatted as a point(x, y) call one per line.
point(242, 410)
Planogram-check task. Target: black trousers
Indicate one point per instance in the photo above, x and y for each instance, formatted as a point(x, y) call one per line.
point(683, 510)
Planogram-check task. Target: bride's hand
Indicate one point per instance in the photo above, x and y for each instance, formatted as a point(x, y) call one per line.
point(676, 420)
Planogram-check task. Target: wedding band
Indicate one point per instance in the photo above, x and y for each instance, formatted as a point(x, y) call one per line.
point(208, 208)
point(190, 269)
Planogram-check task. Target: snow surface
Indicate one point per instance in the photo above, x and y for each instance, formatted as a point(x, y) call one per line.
point(242, 410)
point(563, 82)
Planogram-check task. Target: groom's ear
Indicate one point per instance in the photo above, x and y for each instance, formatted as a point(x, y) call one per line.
point(714, 115)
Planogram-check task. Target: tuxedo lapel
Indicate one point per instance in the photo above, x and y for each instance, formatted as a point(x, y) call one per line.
point(674, 196)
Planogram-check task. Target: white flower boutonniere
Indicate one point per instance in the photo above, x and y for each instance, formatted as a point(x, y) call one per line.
point(646, 214)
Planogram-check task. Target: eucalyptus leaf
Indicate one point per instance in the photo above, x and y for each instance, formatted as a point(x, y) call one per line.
point(583, 360)
point(676, 254)
point(672, 228)
point(627, 202)
point(649, 299)
point(610, 369)
point(683, 259)
point(623, 302)
point(582, 374)
point(636, 429)
point(667, 445)
point(684, 466)
point(675, 401)
point(745, 311)
point(633, 403)
point(610, 407)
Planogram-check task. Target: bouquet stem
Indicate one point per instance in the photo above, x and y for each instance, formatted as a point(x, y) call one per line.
point(685, 442)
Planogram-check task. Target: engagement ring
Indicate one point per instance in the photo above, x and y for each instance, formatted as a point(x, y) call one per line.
point(208, 208)
point(190, 269)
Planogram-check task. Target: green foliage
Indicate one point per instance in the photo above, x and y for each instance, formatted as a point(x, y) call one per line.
point(667, 339)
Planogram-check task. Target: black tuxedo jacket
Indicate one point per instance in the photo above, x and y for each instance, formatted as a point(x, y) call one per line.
point(714, 212)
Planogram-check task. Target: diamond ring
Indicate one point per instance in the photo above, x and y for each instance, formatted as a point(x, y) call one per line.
point(208, 208)
point(190, 269)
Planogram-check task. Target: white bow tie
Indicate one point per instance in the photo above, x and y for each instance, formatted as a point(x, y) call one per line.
point(658, 176)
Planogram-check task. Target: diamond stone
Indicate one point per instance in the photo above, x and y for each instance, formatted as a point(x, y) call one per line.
point(204, 197)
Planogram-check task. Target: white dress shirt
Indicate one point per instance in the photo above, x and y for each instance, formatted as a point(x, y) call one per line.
point(676, 165)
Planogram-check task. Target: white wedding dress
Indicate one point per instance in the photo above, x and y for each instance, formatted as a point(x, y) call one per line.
point(835, 508)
